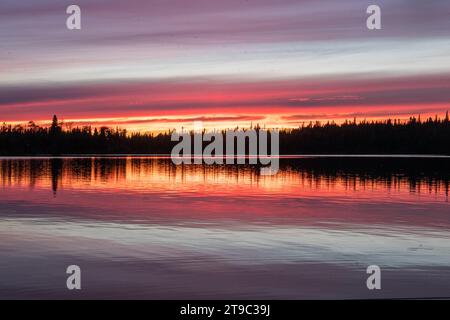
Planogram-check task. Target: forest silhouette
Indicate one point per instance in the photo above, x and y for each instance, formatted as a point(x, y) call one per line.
point(415, 136)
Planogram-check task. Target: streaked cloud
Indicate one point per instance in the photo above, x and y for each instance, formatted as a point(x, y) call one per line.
point(211, 58)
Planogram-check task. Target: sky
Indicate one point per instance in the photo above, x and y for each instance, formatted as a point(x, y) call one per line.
point(151, 65)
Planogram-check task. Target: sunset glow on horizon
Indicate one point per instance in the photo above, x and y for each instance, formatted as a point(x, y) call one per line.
point(159, 65)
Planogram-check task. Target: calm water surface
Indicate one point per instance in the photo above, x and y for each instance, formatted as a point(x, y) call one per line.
point(144, 228)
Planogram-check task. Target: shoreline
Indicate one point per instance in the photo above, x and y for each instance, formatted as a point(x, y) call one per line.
point(168, 156)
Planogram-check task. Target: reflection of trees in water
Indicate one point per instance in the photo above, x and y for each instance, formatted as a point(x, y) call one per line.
point(21, 171)
point(107, 169)
point(417, 175)
point(393, 173)
point(56, 167)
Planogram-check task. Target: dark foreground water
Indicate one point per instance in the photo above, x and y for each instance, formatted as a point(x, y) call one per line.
point(144, 228)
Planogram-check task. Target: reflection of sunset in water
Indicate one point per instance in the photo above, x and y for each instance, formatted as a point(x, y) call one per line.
point(224, 231)
point(147, 175)
point(151, 187)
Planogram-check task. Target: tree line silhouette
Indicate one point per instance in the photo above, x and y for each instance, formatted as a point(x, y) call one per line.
point(415, 136)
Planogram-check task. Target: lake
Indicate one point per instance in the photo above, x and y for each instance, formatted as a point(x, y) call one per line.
point(141, 227)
